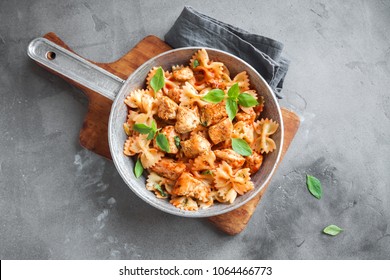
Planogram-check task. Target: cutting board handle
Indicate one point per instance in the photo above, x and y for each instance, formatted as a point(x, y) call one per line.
point(74, 67)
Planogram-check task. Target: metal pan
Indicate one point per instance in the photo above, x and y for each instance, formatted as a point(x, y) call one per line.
point(105, 83)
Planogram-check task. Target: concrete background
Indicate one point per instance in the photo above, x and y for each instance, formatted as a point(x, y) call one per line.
point(59, 201)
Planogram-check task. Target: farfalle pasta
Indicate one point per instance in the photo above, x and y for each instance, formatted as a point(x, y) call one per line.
point(198, 132)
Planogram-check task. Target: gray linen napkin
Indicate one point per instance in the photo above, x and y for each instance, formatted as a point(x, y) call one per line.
point(264, 54)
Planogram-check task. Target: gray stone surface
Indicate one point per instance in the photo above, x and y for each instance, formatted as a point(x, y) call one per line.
point(59, 201)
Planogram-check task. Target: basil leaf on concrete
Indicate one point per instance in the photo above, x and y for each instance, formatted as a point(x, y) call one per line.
point(332, 230)
point(314, 186)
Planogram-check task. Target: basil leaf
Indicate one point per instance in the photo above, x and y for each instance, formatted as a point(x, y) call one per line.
point(234, 91)
point(207, 172)
point(177, 141)
point(314, 186)
point(241, 147)
point(153, 130)
point(154, 126)
point(247, 100)
point(332, 230)
point(162, 142)
point(141, 128)
point(151, 135)
point(195, 64)
point(138, 169)
point(231, 108)
point(160, 190)
point(214, 96)
point(157, 82)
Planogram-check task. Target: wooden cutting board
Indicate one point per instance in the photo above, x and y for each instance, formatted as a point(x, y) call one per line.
point(93, 134)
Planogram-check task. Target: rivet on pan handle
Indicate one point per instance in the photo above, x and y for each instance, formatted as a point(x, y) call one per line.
point(74, 67)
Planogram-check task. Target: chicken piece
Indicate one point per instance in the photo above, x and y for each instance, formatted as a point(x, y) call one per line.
point(195, 146)
point(227, 144)
point(175, 94)
point(234, 159)
point(201, 130)
point(253, 162)
point(169, 168)
point(183, 74)
point(213, 113)
point(221, 131)
point(249, 116)
point(170, 133)
point(186, 119)
point(167, 108)
point(188, 186)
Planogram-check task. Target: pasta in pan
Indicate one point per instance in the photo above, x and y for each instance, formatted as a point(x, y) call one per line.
point(198, 133)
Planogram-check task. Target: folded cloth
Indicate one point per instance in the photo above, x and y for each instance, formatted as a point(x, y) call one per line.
point(264, 54)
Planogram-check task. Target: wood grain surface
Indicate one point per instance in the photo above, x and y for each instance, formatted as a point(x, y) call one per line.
point(93, 134)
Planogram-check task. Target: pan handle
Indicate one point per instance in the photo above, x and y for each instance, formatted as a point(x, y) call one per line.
point(74, 67)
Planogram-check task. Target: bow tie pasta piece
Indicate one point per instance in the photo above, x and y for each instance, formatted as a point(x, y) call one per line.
point(226, 195)
point(205, 161)
point(135, 117)
point(264, 129)
point(240, 180)
point(148, 156)
point(184, 203)
point(190, 97)
point(243, 82)
point(140, 99)
point(206, 71)
point(243, 130)
point(127, 149)
point(161, 186)
point(142, 107)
